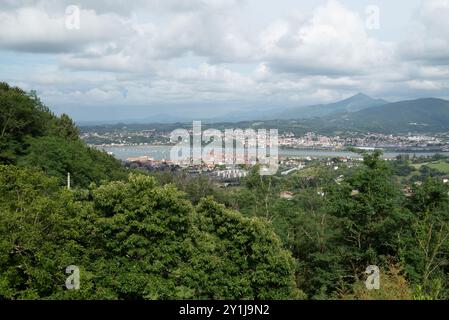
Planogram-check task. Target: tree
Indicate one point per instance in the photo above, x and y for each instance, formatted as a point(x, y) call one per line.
point(243, 258)
point(22, 115)
point(66, 128)
point(132, 240)
point(369, 205)
point(393, 286)
point(42, 231)
point(425, 248)
point(177, 253)
point(58, 156)
point(262, 193)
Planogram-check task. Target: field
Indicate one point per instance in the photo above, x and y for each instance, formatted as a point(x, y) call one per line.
point(441, 165)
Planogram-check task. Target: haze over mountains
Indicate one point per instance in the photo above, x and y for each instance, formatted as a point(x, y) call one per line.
point(355, 103)
point(359, 112)
point(428, 114)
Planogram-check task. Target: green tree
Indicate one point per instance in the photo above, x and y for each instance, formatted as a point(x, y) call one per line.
point(22, 115)
point(243, 257)
point(42, 231)
point(369, 204)
point(177, 253)
point(57, 156)
point(426, 246)
point(393, 286)
point(132, 240)
point(66, 128)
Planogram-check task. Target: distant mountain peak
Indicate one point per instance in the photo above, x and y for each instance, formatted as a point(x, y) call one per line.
point(360, 95)
point(354, 103)
point(402, 116)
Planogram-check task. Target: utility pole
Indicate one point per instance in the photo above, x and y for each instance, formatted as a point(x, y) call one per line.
point(68, 180)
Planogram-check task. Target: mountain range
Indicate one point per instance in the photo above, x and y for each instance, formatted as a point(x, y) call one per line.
point(427, 114)
point(353, 104)
point(363, 113)
point(357, 113)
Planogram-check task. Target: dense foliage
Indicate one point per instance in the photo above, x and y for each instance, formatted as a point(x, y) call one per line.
point(31, 136)
point(335, 228)
point(131, 237)
point(132, 240)
point(134, 236)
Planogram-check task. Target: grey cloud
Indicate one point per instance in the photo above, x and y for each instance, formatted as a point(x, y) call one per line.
point(192, 53)
point(35, 30)
point(428, 39)
point(332, 41)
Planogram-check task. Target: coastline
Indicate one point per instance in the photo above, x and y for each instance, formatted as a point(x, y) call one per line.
point(160, 152)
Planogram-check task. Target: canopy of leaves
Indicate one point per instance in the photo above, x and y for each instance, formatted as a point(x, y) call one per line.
point(132, 240)
point(135, 238)
point(30, 135)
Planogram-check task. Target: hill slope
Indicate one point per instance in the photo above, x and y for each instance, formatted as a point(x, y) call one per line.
point(353, 104)
point(31, 136)
point(427, 114)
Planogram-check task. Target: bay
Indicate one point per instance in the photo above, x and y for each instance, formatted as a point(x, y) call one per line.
point(163, 152)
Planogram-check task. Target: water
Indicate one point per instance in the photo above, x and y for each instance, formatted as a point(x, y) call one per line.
point(163, 152)
point(155, 152)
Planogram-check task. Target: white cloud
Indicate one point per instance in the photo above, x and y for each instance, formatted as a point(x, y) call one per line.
point(110, 63)
point(332, 41)
point(31, 29)
point(428, 40)
point(139, 53)
point(425, 85)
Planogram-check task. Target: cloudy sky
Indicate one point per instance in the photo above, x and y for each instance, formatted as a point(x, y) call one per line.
point(134, 59)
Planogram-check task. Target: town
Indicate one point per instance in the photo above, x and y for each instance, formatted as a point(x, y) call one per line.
point(435, 142)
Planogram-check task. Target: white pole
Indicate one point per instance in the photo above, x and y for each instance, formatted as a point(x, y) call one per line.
point(68, 180)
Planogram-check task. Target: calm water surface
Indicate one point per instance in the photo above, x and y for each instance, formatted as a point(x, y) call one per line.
point(163, 152)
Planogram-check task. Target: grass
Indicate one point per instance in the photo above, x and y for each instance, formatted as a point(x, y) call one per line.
point(441, 165)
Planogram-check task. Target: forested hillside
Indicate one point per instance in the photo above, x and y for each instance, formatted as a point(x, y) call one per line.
point(31, 136)
point(425, 115)
point(131, 237)
point(137, 236)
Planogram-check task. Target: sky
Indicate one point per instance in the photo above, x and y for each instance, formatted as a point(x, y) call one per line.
point(119, 59)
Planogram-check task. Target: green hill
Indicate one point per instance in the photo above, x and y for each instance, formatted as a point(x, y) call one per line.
point(428, 114)
point(353, 104)
point(31, 136)
point(130, 238)
point(421, 115)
